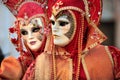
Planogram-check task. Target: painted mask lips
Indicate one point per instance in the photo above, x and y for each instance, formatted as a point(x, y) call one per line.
point(32, 42)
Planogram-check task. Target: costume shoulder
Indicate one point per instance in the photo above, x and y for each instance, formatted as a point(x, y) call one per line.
point(10, 69)
point(116, 58)
point(25, 59)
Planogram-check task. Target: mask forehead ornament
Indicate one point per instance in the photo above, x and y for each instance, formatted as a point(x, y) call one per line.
point(57, 8)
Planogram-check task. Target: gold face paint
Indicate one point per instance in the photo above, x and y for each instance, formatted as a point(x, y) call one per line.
point(62, 28)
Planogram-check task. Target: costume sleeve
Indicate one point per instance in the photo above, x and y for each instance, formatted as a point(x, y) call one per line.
point(116, 59)
point(25, 60)
point(10, 69)
point(30, 72)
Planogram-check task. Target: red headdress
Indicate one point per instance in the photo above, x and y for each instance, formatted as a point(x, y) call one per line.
point(27, 11)
point(13, 5)
point(86, 14)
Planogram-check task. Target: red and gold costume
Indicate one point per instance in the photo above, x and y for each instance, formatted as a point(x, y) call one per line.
point(83, 58)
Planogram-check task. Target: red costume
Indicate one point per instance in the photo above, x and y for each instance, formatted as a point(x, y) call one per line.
point(83, 58)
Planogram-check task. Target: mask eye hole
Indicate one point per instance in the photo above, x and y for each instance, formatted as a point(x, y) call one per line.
point(52, 22)
point(63, 23)
point(35, 29)
point(23, 32)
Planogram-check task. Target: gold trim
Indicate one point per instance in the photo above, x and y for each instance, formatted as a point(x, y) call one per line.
point(109, 54)
point(71, 69)
point(87, 10)
point(85, 67)
point(80, 42)
point(98, 42)
point(93, 45)
point(54, 66)
point(94, 25)
point(69, 8)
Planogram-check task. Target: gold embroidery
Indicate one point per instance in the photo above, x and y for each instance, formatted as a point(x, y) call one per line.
point(56, 7)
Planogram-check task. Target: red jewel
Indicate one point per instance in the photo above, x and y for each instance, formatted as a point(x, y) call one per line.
point(13, 40)
point(98, 42)
point(11, 30)
point(89, 48)
point(104, 37)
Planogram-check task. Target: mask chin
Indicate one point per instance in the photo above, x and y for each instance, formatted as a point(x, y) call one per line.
point(61, 41)
point(34, 49)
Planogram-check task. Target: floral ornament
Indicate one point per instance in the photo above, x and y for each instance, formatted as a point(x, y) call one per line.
point(16, 40)
point(95, 35)
point(56, 7)
point(12, 29)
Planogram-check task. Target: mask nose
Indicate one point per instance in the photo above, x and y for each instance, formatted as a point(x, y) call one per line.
point(55, 28)
point(30, 35)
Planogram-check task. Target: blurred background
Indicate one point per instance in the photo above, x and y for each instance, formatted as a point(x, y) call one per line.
point(109, 24)
point(6, 21)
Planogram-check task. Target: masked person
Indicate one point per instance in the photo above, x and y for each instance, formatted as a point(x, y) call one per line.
point(76, 52)
point(29, 40)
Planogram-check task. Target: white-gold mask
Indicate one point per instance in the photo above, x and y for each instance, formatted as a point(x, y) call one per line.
point(62, 29)
point(32, 33)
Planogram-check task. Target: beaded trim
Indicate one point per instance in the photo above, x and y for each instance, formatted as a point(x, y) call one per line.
point(66, 8)
point(80, 41)
point(109, 54)
point(86, 10)
point(85, 66)
point(54, 76)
